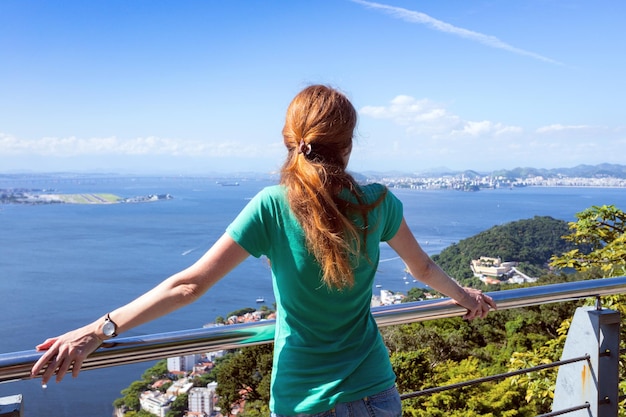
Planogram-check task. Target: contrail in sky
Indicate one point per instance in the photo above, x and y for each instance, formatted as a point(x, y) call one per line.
point(422, 18)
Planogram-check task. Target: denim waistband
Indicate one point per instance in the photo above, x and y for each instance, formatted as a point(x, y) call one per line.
point(386, 403)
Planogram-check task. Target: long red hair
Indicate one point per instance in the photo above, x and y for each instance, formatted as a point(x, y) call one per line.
point(318, 134)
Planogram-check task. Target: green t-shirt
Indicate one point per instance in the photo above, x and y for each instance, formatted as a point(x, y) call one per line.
point(327, 347)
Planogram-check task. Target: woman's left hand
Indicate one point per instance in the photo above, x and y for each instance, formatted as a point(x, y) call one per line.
point(480, 305)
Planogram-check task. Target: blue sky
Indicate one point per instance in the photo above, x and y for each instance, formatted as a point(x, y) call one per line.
point(194, 87)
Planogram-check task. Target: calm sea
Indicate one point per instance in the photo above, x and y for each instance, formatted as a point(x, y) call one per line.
point(62, 266)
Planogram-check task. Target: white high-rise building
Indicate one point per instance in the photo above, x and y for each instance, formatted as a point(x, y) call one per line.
point(200, 400)
point(182, 363)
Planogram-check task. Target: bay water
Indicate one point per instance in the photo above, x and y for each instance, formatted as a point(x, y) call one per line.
point(63, 265)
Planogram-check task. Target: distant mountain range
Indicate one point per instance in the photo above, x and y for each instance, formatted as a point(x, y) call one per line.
point(580, 171)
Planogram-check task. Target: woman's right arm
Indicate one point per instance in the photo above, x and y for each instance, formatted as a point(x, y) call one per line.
point(423, 268)
point(182, 288)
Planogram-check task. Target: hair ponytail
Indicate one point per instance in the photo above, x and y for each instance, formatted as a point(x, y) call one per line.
point(318, 135)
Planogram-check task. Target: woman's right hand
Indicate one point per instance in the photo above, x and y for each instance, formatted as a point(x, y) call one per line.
point(65, 352)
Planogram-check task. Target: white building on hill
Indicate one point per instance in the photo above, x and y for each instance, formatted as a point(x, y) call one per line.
point(491, 267)
point(494, 271)
point(156, 402)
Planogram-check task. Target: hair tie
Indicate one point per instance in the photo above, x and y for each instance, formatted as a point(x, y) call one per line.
point(304, 148)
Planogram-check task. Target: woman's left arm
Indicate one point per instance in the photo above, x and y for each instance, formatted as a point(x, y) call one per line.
point(423, 268)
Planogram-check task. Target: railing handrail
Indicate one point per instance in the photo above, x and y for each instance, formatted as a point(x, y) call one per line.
point(127, 350)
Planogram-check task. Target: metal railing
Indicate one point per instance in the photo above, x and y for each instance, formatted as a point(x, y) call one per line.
point(16, 365)
point(126, 350)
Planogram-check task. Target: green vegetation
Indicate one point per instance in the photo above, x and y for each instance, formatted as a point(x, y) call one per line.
point(249, 368)
point(241, 312)
point(599, 237)
point(443, 352)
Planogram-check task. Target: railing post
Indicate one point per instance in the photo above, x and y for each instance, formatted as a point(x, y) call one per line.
point(593, 332)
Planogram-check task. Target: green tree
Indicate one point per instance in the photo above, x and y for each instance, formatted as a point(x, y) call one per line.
point(245, 373)
point(242, 311)
point(131, 394)
point(203, 380)
point(156, 372)
point(415, 294)
point(412, 369)
point(256, 408)
point(600, 238)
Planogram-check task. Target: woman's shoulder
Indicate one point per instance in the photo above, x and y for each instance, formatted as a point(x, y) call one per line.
point(277, 190)
point(272, 193)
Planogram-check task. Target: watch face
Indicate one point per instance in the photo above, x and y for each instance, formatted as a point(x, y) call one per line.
point(108, 328)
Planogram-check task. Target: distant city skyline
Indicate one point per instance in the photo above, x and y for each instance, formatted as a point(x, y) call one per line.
point(195, 87)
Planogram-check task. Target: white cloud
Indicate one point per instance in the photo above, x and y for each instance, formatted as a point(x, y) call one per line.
point(561, 128)
point(9, 144)
point(423, 133)
point(424, 117)
point(506, 130)
point(420, 116)
point(424, 19)
point(142, 146)
point(486, 128)
point(477, 128)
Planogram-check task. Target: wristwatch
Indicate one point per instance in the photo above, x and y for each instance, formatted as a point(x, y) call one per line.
point(109, 328)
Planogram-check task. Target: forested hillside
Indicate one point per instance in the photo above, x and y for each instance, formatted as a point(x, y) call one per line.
point(531, 242)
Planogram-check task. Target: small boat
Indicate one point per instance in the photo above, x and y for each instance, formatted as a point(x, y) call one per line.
point(260, 300)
